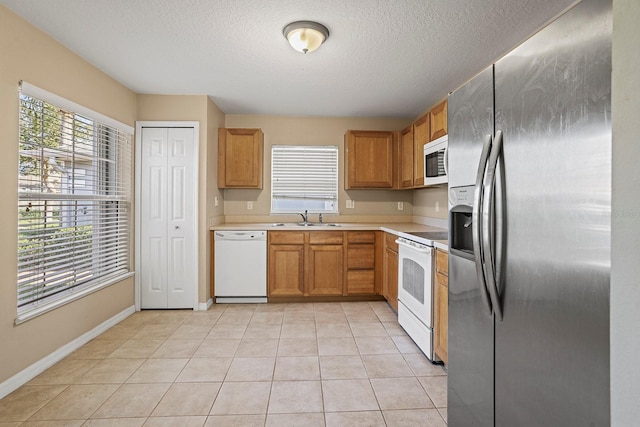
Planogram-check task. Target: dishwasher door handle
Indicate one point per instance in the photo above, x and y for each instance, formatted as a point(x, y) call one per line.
point(241, 235)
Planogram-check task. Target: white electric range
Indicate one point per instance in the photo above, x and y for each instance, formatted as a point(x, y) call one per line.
point(416, 256)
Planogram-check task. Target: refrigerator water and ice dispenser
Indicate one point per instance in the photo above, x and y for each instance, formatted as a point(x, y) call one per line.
point(461, 206)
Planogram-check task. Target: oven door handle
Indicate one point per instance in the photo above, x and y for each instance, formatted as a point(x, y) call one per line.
point(426, 249)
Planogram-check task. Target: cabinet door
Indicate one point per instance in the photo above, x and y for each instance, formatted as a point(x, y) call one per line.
point(441, 304)
point(421, 136)
point(286, 270)
point(439, 120)
point(240, 154)
point(406, 157)
point(441, 324)
point(369, 159)
point(361, 282)
point(391, 277)
point(324, 270)
point(361, 257)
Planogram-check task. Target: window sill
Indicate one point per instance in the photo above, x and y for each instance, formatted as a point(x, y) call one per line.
point(45, 308)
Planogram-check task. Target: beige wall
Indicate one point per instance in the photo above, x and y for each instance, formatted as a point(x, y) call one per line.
point(625, 245)
point(28, 54)
point(430, 202)
point(369, 204)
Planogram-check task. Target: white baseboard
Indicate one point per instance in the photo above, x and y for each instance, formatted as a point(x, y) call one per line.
point(204, 306)
point(51, 359)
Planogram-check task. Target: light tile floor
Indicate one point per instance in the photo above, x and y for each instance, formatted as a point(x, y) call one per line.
point(312, 364)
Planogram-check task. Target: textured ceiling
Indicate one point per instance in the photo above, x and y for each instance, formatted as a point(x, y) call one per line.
point(384, 58)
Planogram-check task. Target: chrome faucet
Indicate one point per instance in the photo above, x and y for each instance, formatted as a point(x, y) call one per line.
point(304, 216)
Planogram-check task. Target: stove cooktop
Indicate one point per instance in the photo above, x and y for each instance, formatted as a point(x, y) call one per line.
point(432, 235)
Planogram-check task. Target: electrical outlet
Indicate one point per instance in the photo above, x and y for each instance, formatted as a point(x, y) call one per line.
point(400, 206)
point(216, 200)
point(351, 204)
point(249, 205)
point(437, 206)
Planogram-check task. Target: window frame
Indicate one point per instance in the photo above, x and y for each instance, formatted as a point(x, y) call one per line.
point(319, 187)
point(108, 152)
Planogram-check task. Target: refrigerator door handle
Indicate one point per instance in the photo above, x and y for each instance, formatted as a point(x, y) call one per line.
point(488, 228)
point(476, 218)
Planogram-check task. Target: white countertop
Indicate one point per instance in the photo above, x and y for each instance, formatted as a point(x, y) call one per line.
point(393, 228)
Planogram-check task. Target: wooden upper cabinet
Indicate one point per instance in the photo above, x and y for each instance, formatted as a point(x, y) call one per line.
point(439, 120)
point(369, 160)
point(407, 152)
point(240, 158)
point(421, 134)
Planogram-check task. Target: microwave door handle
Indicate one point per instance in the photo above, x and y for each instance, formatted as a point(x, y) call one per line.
point(476, 218)
point(446, 160)
point(488, 229)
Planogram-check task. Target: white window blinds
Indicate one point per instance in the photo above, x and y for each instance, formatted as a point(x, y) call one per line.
point(74, 201)
point(304, 178)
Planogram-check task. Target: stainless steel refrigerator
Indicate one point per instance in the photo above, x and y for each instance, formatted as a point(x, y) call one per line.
point(529, 211)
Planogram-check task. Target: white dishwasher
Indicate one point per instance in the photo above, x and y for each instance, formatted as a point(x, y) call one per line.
point(240, 266)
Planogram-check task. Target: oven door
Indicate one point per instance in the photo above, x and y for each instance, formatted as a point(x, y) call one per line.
point(415, 280)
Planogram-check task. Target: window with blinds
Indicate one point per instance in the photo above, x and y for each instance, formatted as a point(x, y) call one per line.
point(304, 178)
point(74, 202)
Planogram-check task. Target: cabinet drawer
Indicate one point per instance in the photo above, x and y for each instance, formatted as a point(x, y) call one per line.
point(361, 236)
point(442, 262)
point(361, 257)
point(325, 238)
point(361, 282)
point(390, 241)
point(286, 237)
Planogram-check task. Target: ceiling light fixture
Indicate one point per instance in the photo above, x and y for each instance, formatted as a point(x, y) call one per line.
point(305, 36)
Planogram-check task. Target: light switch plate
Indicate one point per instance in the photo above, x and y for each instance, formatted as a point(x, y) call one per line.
point(400, 206)
point(351, 204)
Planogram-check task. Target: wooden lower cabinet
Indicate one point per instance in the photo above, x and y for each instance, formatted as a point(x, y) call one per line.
point(390, 270)
point(361, 262)
point(324, 270)
point(286, 270)
point(441, 304)
point(323, 263)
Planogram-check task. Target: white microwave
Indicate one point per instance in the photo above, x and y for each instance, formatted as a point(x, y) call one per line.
point(435, 161)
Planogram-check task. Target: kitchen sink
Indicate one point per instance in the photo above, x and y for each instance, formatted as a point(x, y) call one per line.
point(307, 224)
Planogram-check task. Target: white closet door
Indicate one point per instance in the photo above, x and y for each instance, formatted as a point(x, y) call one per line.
point(181, 256)
point(168, 261)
